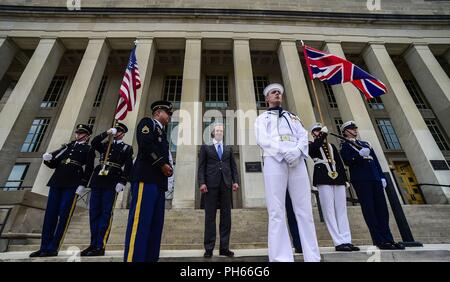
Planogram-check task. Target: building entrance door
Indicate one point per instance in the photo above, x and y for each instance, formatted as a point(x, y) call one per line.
point(407, 181)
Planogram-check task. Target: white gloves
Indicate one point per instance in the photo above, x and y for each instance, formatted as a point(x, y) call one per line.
point(324, 129)
point(80, 190)
point(292, 156)
point(364, 152)
point(119, 187)
point(112, 131)
point(47, 157)
point(383, 182)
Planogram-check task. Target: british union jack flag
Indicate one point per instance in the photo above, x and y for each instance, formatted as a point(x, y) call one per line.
point(332, 70)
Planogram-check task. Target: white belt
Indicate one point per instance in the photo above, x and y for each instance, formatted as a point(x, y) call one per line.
point(287, 138)
point(320, 161)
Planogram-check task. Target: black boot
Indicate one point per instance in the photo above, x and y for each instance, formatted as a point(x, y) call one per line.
point(96, 253)
point(86, 251)
point(343, 248)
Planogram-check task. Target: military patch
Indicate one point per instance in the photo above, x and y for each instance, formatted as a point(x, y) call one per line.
point(145, 130)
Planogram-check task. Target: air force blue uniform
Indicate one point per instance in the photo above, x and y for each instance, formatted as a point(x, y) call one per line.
point(148, 186)
point(366, 175)
point(103, 192)
point(73, 164)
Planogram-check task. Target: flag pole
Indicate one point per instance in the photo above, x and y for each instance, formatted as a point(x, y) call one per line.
point(104, 171)
point(313, 85)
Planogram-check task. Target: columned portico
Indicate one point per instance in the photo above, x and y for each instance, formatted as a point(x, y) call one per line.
point(414, 135)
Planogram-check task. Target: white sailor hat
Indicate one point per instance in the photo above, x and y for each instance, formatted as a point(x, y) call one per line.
point(316, 126)
point(273, 86)
point(348, 124)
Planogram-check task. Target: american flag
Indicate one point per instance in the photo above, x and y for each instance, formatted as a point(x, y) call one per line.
point(130, 84)
point(333, 70)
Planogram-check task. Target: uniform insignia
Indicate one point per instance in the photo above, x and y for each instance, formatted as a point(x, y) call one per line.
point(159, 131)
point(145, 130)
point(333, 174)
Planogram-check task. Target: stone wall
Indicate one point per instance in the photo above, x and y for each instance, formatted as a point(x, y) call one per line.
point(416, 7)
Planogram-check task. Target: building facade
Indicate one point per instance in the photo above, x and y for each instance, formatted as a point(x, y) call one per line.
point(62, 62)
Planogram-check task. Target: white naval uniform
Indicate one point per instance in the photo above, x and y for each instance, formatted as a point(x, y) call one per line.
point(278, 176)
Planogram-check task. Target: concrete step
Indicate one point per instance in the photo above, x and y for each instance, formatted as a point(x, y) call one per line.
point(429, 253)
point(184, 228)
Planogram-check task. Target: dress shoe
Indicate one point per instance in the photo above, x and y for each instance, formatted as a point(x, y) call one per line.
point(398, 245)
point(48, 254)
point(343, 248)
point(36, 254)
point(354, 248)
point(208, 254)
point(96, 253)
point(298, 251)
point(226, 253)
point(86, 251)
point(386, 246)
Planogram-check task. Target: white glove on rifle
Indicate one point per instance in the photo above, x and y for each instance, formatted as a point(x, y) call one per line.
point(324, 129)
point(112, 131)
point(80, 190)
point(47, 157)
point(119, 187)
point(364, 152)
point(383, 182)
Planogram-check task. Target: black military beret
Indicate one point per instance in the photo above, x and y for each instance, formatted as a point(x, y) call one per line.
point(164, 105)
point(121, 127)
point(84, 128)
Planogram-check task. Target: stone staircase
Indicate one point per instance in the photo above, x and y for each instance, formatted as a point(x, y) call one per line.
point(183, 229)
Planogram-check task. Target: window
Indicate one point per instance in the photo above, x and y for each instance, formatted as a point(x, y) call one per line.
point(259, 83)
point(376, 103)
point(35, 135)
point(172, 89)
point(54, 92)
point(216, 91)
point(91, 121)
point(330, 96)
point(416, 94)
point(16, 177)
point(172, 135)
point(338, 122)
point(100, 92)
point(438, 136)
point(389, 136)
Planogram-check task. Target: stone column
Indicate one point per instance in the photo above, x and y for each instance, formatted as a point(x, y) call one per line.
point(78, 104)
point(296, 88)
point(252, 183)
point(24, 102)
point(7, 52)
point(189, 127)
point(432, 79)
point(413, 133)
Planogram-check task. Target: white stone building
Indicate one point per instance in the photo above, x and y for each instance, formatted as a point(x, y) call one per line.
point(61, 63)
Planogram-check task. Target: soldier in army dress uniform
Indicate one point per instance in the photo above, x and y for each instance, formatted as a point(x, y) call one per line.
point(73, 164)
point(149, 181)
point(109, 179)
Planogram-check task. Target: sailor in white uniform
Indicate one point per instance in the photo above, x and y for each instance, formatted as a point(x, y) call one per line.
point(284, 142)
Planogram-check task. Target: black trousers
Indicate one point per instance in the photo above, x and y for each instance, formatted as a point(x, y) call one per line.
point(217, 195)
point(375, 210)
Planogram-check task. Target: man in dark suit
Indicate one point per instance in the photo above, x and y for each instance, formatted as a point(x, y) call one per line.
point(217, 176)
